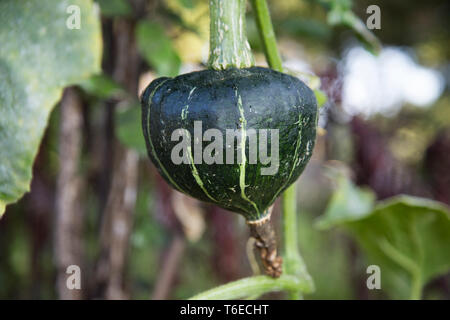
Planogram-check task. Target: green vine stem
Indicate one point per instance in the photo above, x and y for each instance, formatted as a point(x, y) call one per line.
point(293, 262)
point(228, 46)
point(266, 34)
point(254, 286)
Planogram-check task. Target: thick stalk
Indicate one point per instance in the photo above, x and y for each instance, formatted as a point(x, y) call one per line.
point(229, 48)
point(298, 280)
point(228, 41)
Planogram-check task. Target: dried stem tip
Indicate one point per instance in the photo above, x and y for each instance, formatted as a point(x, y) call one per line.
point(266, 244)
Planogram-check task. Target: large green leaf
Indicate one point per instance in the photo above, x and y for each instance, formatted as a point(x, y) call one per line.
point(407, 237)
point(39, 56)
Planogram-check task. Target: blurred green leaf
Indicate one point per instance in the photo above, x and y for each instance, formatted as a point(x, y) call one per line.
point(102, 86)
point(337, 4)
point(305, 28)
point(187, 3)
point(331, 269)
point(157, 49)
point(176, 19)
point(352, 21)
point(321, 97)
point(407, 237)
point(128, 127)
point(39, 56)
point(311, 80)
point(340, 14)
point(115, 8)
point(348, 203)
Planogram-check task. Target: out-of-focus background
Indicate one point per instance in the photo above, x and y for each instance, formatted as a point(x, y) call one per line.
point(96, 201)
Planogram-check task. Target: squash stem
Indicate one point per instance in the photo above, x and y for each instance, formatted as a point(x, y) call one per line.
point(228, 40)
point(266, 244)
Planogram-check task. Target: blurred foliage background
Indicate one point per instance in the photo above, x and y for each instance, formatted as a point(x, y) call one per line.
point(385, 132)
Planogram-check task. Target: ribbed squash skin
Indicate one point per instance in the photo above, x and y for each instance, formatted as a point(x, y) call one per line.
point(257, 98)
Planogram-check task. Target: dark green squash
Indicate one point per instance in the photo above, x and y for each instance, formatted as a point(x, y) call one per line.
point(241, 99)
